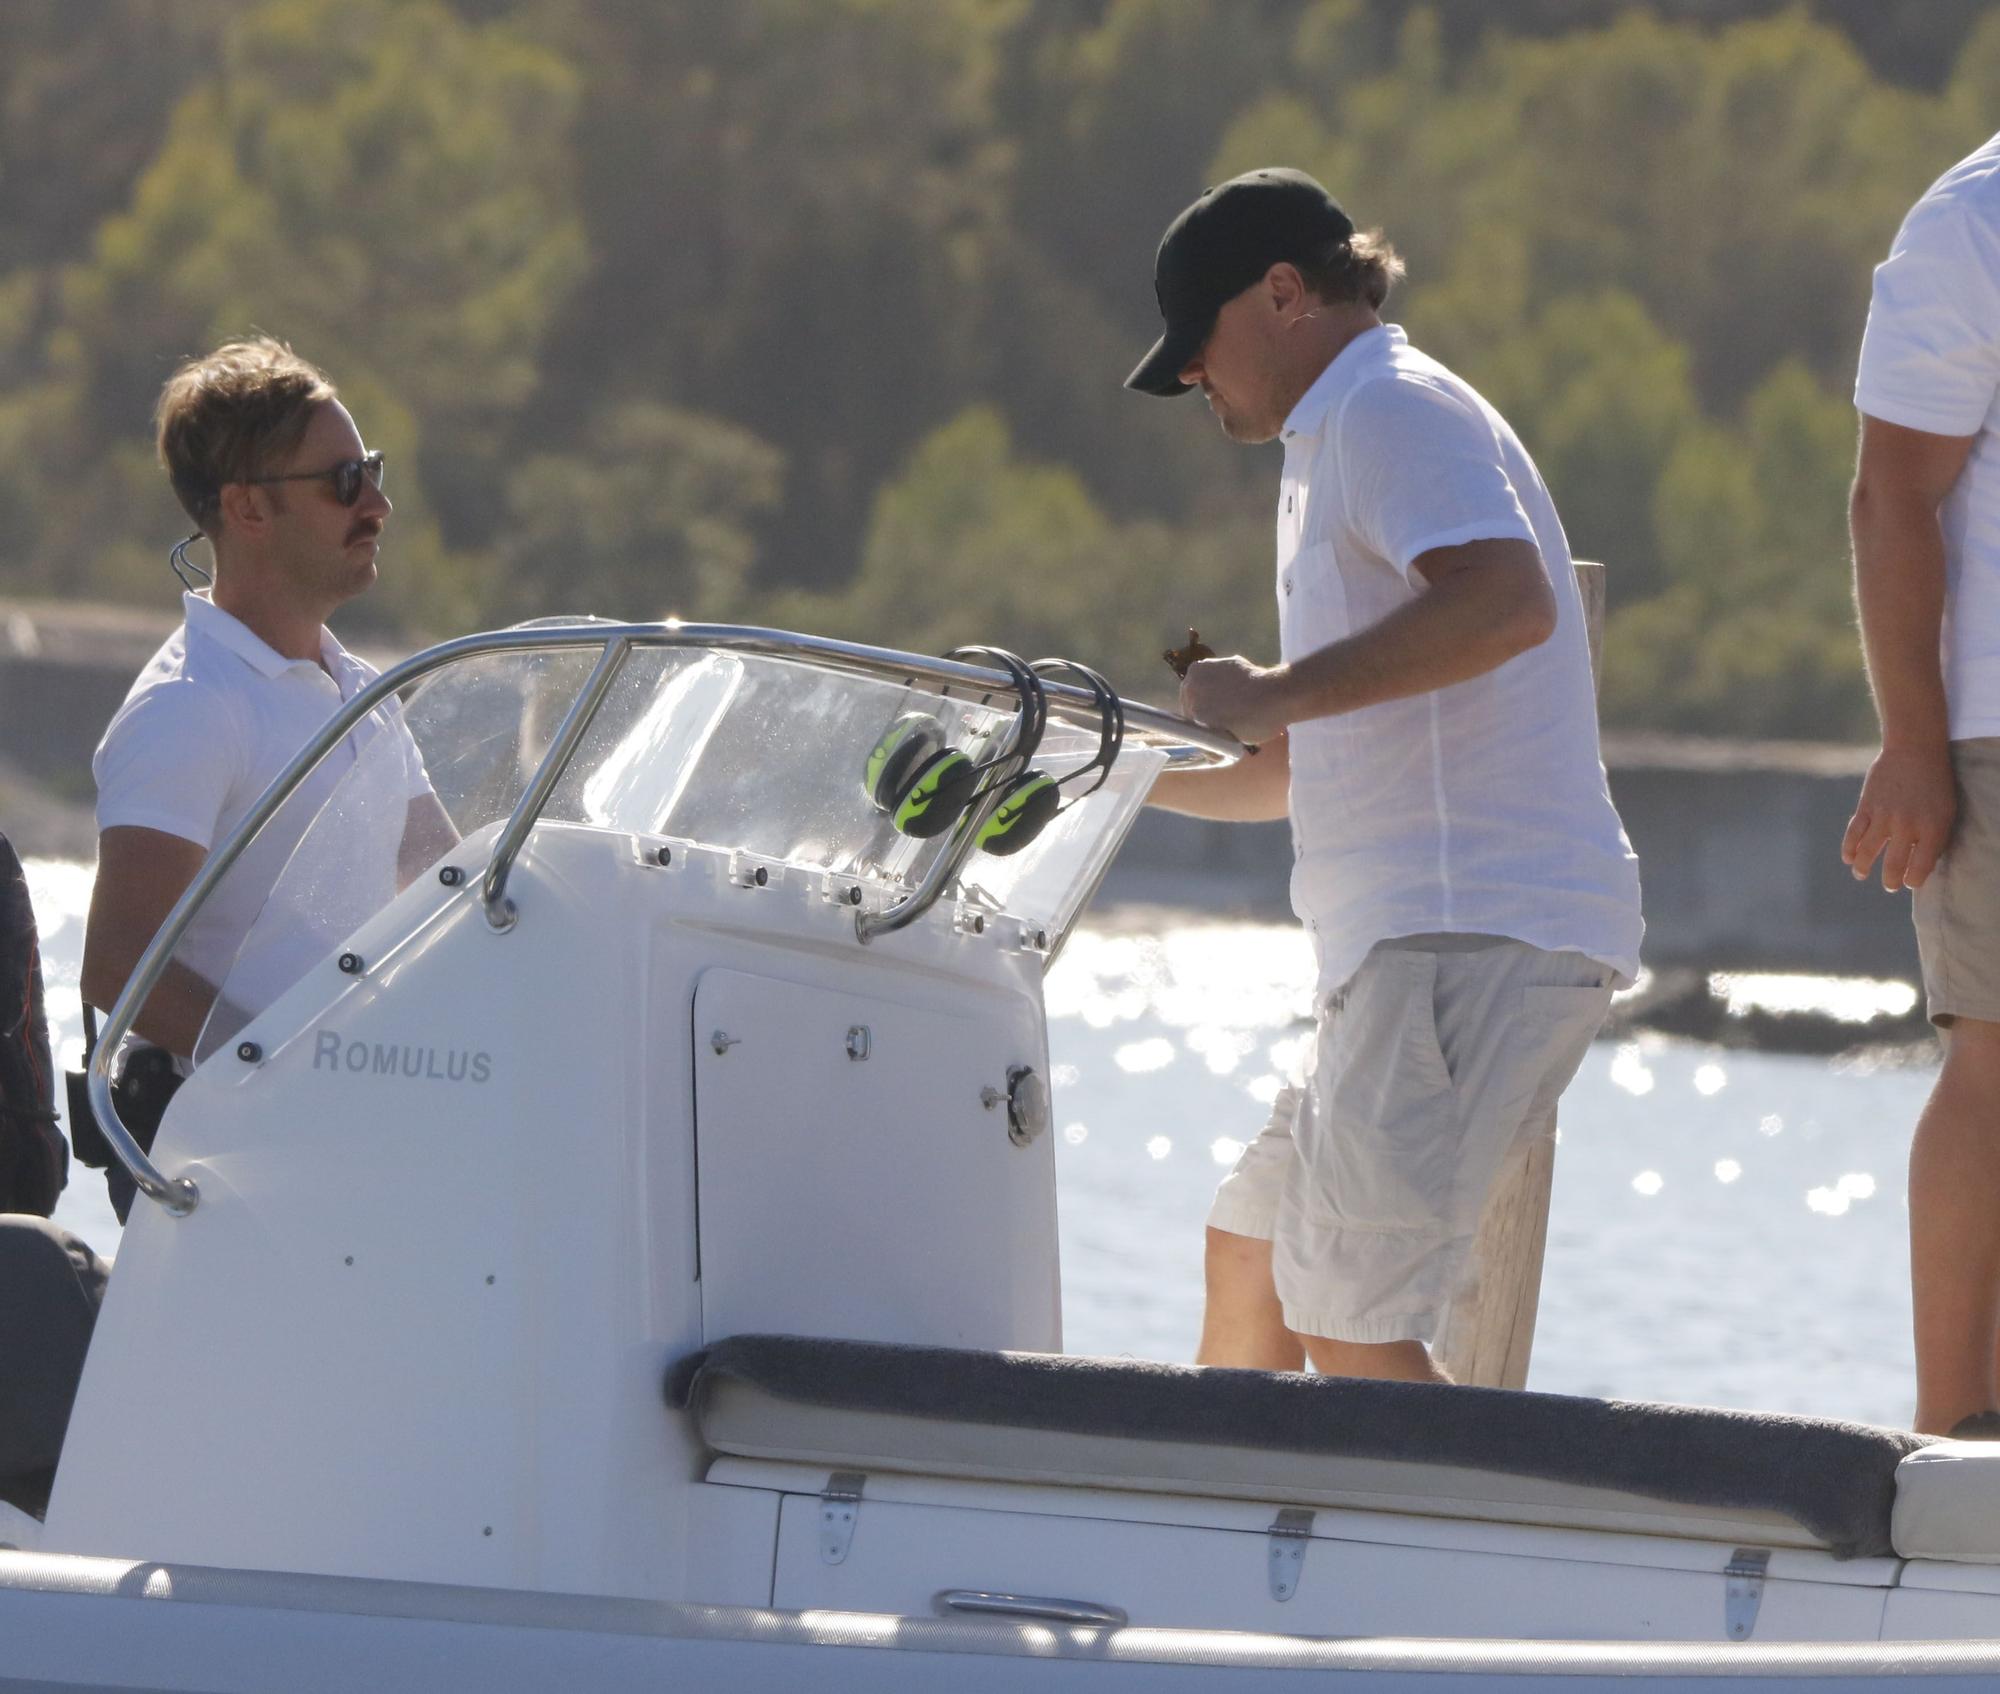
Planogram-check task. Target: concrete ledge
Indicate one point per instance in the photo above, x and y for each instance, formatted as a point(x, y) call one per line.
point(1739, 856)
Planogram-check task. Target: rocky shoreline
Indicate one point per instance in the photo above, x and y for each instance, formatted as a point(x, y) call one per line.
point(1684, 1003)
point(1687, 1005)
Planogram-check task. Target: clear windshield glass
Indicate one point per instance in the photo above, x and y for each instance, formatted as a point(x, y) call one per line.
point(749, 754)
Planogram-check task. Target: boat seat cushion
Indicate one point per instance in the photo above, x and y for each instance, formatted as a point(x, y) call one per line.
point(1750, 1477)
point(51, 1285)
point(1948, 1503)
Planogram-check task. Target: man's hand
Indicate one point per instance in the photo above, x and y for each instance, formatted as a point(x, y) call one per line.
point(1250, 701)
point(1909, 798)
point(1908, 801)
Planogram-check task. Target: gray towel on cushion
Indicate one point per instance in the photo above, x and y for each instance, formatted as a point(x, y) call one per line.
point(1835, 1479)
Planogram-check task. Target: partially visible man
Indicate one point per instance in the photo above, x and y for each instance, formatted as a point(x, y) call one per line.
point(1432, 732)
point(271, 469)
point(34, 1162)
point(1925, 521)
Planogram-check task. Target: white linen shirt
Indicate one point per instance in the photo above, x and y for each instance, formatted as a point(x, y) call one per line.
point(1930, 360)
point(1481, 808)
point(213, 718)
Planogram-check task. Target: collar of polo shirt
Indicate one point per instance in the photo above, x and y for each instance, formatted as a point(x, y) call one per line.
point(1308, 417)
point(214, 624)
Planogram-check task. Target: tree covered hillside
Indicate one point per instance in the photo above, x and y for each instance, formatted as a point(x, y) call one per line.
point(816, 311)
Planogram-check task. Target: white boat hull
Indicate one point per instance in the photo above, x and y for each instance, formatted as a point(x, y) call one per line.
point(87, 1623)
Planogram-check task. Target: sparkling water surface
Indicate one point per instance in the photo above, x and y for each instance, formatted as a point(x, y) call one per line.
point(1727, 1227)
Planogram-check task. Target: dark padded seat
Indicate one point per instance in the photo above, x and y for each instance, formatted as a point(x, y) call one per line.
point(1483, 1453)
point(51, 1285)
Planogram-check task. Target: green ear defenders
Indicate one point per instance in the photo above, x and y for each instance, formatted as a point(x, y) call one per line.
point(916, 776)
point(923, 782)
point(1031, 800)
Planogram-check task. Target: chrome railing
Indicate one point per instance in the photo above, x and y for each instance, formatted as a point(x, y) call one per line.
point(1184, 743)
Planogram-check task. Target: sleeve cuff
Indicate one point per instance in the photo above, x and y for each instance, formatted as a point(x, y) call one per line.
point(1910, 416)
point(138, 818)
point(1485, 529)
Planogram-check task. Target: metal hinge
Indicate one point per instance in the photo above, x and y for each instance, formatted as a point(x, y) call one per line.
point(1744, 1575)
point(839, 1507)
point(1286, 1550)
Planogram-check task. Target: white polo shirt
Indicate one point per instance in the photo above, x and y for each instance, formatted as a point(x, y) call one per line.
point(1481, 808)
point(1930, 360)
point(213, 718)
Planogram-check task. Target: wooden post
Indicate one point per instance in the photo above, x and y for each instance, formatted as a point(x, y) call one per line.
point(1489, 1328)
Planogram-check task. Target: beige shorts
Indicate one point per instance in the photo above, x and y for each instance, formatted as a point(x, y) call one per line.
point(1430, 1066)
point(1958, 908)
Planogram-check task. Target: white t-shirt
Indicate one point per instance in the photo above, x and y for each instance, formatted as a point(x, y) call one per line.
point(213, 718)
point(1930, 360)
point(1481, 808)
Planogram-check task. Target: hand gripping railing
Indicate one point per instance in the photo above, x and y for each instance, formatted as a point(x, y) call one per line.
point(1187, 744)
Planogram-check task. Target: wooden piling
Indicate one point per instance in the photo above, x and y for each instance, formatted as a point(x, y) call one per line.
point(1488, 1330)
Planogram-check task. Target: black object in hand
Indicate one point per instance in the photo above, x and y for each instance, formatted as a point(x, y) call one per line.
point(1182, 657)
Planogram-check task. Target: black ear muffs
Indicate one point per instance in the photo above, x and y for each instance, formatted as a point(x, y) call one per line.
point(936, 794)
point(925, 784)
point(915, 775)
point(1027, 806)
point(905, 744)
point(1031, 801)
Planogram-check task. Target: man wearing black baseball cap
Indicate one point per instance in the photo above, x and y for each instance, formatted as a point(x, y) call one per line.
point(1431, 731)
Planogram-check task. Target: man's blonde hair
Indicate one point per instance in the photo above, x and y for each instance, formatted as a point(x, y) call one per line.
point(1362, 268)
point(232, 415)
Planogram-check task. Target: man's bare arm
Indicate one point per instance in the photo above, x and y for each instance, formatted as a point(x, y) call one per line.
point(1253, 790)
point(1909, 798)
point(1486, 602)
point(140, 874)
point(428, 834)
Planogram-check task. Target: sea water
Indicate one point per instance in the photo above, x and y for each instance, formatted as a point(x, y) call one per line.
point(1727, 1227)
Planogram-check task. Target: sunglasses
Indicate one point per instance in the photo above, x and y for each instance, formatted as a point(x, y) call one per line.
point(346, 477)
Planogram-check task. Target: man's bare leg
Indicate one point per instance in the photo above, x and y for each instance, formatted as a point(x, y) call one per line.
point(1955, 1231)
point(1243, 1324)
point(1386, 1361)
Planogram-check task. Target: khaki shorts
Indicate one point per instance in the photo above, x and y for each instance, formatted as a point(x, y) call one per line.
point(1958, 908)
point(1430, 1066)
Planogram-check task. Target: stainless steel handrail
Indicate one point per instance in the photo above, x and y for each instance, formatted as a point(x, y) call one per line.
point(1188, 744)
point(582, 712)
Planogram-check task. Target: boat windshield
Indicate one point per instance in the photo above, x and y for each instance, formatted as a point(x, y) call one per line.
point(754, 755)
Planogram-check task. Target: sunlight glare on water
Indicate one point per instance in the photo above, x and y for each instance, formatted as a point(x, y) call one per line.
point(1629, 1070)
point(1714, 1235)
point(1845, 999)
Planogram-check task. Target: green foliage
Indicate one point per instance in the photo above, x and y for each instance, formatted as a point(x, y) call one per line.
point(970, 543)
point(1605, 397)
point(793, 208)
point(817, 310)
point(85, 92)
point(379, 183)
point(1753, 634)
point(652, 518)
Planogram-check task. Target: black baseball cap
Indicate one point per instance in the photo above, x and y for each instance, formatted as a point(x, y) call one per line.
point(1222, 244)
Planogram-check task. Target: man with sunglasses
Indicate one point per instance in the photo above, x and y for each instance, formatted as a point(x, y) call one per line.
point(270, 467)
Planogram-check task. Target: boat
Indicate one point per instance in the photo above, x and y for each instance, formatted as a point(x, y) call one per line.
point(623, 1253)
